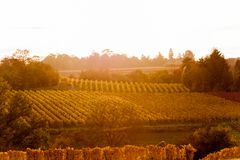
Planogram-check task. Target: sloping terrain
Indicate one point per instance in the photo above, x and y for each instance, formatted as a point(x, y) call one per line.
point(74, 107)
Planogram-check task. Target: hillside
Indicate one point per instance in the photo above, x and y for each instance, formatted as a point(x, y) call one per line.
point(71, 108)
point(120, 86)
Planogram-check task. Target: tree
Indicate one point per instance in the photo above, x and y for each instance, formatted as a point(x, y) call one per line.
point(207, 74)
point(107, 120)
point(159, 60)
point(40, 75)
point(236, 75)
point(145, 60)
point(188, 72)
point(19, 128)
point(4, 91)
point(13, 71)
point(211, 139)
point(188, 54)
point(170, 54)
point(22, 55)
point(220, 77)
point(22, 72)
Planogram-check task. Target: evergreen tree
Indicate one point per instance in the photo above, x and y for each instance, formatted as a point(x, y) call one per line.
point(220, 77)
point(208, 74)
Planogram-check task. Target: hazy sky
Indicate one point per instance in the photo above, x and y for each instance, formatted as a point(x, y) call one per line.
point(134, 27)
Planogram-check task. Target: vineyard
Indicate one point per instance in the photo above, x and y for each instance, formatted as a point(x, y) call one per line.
point(71, 108)
point(129, 87)
point(169, 152)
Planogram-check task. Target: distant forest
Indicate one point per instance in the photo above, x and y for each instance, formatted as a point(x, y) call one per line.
point(108, 59)
point(210, 73)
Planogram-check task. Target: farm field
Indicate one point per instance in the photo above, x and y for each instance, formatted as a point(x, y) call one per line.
point(147, 118)
point(114, 86)
point(73, 108)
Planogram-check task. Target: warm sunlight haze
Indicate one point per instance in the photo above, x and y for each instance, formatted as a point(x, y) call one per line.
point(134, 27)
point(119, 79)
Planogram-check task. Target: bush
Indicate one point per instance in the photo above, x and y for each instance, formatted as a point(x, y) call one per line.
point(211, 139)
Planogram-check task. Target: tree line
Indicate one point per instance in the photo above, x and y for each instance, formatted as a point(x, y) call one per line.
point(108, 59)
point(211, 73)
point(24, 72)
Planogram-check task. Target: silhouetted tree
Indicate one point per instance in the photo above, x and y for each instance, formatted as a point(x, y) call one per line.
point(210, 73)
point(219, 75)
point(236, 75)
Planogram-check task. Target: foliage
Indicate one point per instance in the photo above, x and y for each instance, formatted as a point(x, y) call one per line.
point(211, 139)
point(236, 76)
point(169, 152)
point(218, 69)
point(187, 73)
point(108, 118)
point(4, 93)
point(18, 128)
point(39, 75)
point(22, 72)
point(209, 74)
point(188, 54)
point(227, 153)
point(106, 60)
point(111, 112)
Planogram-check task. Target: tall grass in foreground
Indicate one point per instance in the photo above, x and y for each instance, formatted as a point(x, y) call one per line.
point(151, 152)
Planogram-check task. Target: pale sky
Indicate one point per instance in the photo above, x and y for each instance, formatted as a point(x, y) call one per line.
point(135, 27)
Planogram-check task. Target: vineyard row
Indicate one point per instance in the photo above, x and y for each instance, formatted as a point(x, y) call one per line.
point(114, 86)
point(73, 108)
